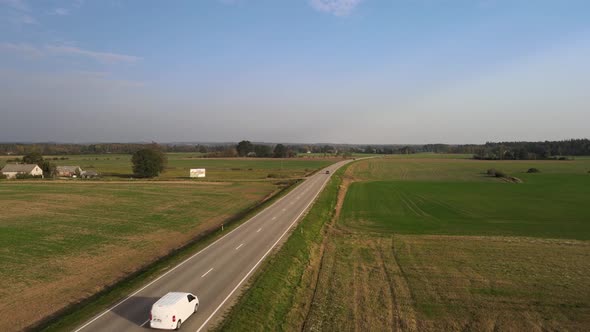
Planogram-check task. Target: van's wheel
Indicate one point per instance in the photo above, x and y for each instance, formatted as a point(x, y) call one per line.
point(196, 307)
point(178, 324)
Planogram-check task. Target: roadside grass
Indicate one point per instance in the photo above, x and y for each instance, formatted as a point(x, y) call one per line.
point(68, 241)
point(118, 166)
point(277, 295)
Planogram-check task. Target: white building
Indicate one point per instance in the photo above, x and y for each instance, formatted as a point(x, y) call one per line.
point(12, 170)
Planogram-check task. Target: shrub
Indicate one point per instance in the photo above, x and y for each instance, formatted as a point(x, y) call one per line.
point(533, 170)
point(500, 174)
point(22, 176)
point(491, 172)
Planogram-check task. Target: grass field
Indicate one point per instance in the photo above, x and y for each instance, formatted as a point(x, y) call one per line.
point(70, 239)
point(118, 166)
point(431, 244)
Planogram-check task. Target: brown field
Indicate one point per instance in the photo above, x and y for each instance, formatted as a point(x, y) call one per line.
point(63, 241)
point(446, 283)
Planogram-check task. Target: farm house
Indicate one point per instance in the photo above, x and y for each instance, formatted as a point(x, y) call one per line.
point(12, 170)
point(67, 171)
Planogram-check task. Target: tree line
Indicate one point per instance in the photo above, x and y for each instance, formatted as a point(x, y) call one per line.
point(245, 148)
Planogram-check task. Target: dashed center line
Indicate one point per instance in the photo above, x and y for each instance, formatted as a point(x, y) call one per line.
point(211, 269)
point(258, 230)
point(145, 322)
point(238, 247)
point(273, 218)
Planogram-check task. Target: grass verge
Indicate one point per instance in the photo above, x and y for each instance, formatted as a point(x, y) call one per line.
point(279, 292)
point(76, 313)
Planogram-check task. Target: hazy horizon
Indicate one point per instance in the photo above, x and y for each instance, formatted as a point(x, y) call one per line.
point(338, 71)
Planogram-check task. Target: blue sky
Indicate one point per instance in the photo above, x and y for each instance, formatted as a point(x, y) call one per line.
point(341, 71)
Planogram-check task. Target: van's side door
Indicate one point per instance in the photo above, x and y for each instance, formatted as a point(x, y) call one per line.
point(191, 301)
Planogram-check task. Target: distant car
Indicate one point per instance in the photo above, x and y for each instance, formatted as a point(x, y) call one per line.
point(173, 309)
point(327, 172)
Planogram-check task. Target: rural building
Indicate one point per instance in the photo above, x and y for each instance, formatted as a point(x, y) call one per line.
point(11, 170)
point(89, 174)
point(67, 171)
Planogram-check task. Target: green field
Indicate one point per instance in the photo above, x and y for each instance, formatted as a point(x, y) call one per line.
point(550, 206)
point(432, 243)
point(118, 166)
point(68, 239)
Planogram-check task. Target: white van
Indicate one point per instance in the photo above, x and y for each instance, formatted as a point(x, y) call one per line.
point(172, 310)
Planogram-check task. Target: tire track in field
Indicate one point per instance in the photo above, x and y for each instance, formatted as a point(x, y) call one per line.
point(412, 205)
point(406, 301)
point(464, 212)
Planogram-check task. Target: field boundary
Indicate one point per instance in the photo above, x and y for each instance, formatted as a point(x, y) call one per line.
point(74, 313)
point(285, 275)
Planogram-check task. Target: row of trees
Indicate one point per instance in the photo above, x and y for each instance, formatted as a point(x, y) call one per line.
point(248, 149)
point(490, 150)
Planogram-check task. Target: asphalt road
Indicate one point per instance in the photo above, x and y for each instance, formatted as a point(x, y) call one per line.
point(217, 273)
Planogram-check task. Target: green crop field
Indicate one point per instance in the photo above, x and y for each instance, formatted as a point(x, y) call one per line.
point(68, 239)
point(431, 243)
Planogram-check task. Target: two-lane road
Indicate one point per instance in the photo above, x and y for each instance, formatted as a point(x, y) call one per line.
point(216, 273)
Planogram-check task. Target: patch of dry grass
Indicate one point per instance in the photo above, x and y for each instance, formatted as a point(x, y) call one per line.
point(491, 283)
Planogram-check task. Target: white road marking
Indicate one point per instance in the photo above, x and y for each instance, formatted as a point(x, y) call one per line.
point(262, 258)
point(206, 273)
point(258, 230)
point(238, 247)
point(273, 218)
point(144, 323)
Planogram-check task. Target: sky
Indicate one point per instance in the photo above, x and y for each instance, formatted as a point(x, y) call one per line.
point(294, 71)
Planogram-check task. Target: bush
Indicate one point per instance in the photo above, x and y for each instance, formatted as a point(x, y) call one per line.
point(22, 176)
point(500, 174)
point(533, 170)
point(491, 172)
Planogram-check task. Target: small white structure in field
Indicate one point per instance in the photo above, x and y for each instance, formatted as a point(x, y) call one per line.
point(197, 173)
point(12, 170)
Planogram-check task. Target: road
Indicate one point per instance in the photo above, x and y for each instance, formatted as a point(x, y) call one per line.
point(217, 273)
